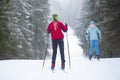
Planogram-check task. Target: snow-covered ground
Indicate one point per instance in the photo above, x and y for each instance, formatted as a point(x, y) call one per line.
point(82, 68)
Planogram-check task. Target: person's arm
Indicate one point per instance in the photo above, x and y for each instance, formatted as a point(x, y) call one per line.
point(99, 33)
point(48, 29)
point(87, 34)
point(64, 27)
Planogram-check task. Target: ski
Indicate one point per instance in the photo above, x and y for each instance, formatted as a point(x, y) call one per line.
point(53, 71)
point(64, 71)
point(98, 59)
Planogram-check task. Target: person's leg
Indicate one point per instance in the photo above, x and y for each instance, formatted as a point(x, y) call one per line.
point(61, 46)
point(97, 48)
point(91, 49)
point(54, 46)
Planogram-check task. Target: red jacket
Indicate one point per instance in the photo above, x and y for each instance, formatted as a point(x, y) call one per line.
point(56, 33)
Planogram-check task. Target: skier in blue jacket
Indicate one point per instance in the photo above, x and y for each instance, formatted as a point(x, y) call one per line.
point(94, 34)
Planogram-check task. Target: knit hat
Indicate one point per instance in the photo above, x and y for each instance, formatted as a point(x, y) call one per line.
point(55, 17)
point(92, 23)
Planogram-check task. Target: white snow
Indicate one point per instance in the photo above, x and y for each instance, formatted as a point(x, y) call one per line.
point(82, 68)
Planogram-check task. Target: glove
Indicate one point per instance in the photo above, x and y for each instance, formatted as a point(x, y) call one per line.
point(66, 24)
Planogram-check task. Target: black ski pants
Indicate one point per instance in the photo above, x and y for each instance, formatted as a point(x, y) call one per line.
point(55, 44)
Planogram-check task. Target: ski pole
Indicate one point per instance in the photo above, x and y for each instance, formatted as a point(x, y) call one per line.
point(68, 51)
point(45, 53)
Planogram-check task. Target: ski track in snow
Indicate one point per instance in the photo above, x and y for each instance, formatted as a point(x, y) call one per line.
point(82, 68)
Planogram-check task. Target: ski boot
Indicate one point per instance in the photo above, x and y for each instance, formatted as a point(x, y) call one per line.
point(63, 66)
point(98, 57)
point(52, 66)
point(90, 57)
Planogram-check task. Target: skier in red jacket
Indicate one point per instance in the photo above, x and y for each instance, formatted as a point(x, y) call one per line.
point(55, 28)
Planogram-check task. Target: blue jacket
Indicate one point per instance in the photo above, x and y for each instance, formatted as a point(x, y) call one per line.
point(93, 33)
